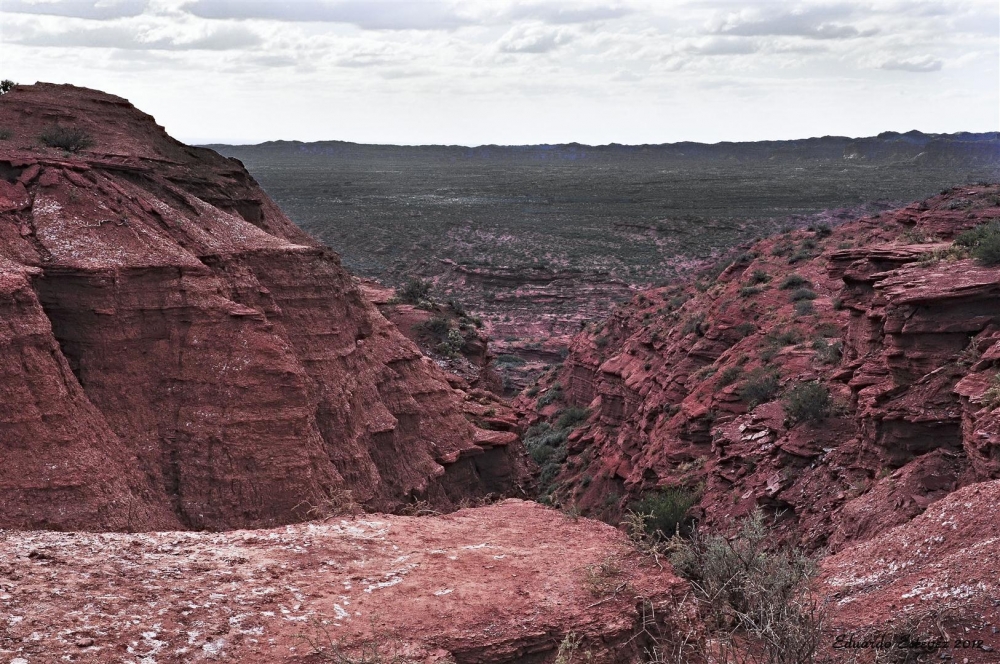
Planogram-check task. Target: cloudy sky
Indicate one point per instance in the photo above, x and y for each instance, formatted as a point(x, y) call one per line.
point(521, 71)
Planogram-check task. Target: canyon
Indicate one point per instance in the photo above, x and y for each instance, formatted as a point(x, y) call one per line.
point(219, 445)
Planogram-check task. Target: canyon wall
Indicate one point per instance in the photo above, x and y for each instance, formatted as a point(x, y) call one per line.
point(178, 354)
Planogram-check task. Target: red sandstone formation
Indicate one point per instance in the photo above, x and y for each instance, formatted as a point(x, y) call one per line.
point(901, 331)
point(176, 353)
point(935, 579)
point(504, 583)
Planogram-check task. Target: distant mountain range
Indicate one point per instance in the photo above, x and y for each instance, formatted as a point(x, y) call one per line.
point(889, 146)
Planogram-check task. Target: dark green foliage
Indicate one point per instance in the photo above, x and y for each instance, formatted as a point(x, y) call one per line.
point(745, 329)
point(808, 402)
point(788, 337)
point(983, 242)
point(729, 375)
point(823, 230)
point(665, 512)
point(572, 416)
point(70, 139)
point(6, 86)
point(804, 308)
point(457, 307)
point(794, 281)
point(415, 290)
point(436, 327)
point(838, 304)
point(554, 393)
point(760, 387)
point(748, 291)
point(803, 294)
point(510, 360)
point(758, 277)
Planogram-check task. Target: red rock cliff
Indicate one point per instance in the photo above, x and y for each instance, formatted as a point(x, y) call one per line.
point(687, 386)
point(176, 353)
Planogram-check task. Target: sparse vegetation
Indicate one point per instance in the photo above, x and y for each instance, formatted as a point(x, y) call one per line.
point(663, 514)
point(794, 280)
point(758, 277)
point(983, 242)
point(754, 597)
point(415, 290)
point(6, 85)
point(808, 402)
point(803, 294)
point(760, 387)
point(70, 139)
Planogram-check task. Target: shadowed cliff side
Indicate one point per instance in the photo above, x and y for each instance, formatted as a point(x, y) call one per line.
point(176, 353)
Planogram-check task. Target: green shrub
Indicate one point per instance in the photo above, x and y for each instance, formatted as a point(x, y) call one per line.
point(747, 291)
point(729, 375)
point(754, 596)
point(760, 387)
point(664, 513)
point(695, 323)
point(571, 417)
point(828, 353)
point(804, 308)
point(70, 139)
point(510, 360)
point(554, 392)
point(745, 329)
point(803, 294)
point(758, 277)
point(6, 86)
point(838, 304)
point(983, 242)
point(794, 281)
point(808, 402)
point(823, 230)
point(788, 337)
point(438, 327)
point(415, 290)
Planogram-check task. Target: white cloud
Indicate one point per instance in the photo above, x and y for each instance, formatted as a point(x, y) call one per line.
point(516, 71)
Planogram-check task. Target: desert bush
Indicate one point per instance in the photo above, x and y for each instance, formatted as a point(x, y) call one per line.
point(5, 134)
point(760, 387)
point(415, 290)
point(695, 323)
point(729, 375)
point(828, 353)
point(808, 402)
point(748, 291)
point(788, 337)
point(803, 294)
point(803, 308)
point(70, 139)
point(510, 360)
point(664, 513)
point(755, 599)
point(794, 281)
point(452, 345)
point(571, 417)
point(553, 393)
point(758, 277)
point(983, 242)
point(438, 327)
point(823, 230)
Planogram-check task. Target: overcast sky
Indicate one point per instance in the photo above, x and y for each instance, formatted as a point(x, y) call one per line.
point(520, 71)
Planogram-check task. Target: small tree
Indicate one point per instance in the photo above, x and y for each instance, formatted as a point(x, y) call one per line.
point(808, 402)
point(6, 86)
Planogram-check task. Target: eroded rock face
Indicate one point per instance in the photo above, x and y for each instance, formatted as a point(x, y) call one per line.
point(901, 332)
point(177, 346)
point(504, 583)
point(932, 578)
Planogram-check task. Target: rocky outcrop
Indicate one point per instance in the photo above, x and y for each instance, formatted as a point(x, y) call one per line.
point(932, 580)
point(500, 584)
point(688, 386)
point(178, 347)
